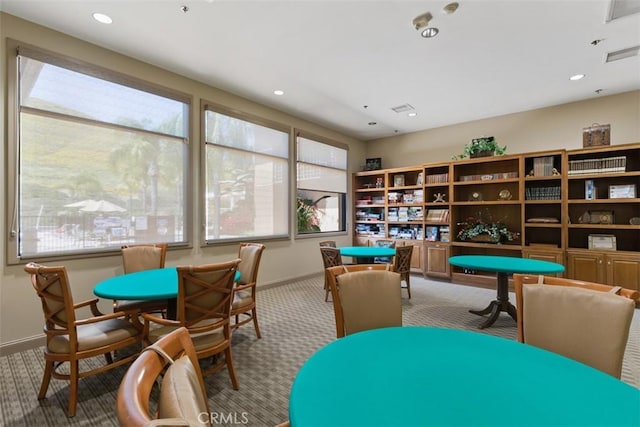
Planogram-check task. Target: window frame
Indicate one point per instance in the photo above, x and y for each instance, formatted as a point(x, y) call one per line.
point(15, 49)
point(206, 105)
point(300, 133)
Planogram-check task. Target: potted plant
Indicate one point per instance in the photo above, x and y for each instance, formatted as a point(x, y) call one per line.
point(478, 230)
point(481, 147)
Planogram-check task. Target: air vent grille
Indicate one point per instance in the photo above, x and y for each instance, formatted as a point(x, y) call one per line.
point(623, 53)
point(403, 108)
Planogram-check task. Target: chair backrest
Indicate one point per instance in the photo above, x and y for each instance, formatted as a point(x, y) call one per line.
point(205, 293)
point(329, 243)
point(183, 396)
point(249, 255)
point(402, 260)
point(143, 257)
point(330, 256)
point(365, 296)
point(584, 321)
point(52, 286)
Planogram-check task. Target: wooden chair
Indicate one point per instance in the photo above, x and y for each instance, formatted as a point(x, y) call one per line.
point(585, 321)
point(204, 308)
point(402, 265)
point(69, 339)
point(138, 258)
point(384, 243)
point(182, 397)
point(330, 258)
point(329, 243)
point(365, 296)
point(244, 295)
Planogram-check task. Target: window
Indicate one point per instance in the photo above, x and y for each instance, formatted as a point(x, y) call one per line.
point(246, 177)
point(98, 163)
point(321, 186)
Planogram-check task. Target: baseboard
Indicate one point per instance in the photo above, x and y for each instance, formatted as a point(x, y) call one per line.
point(21, 345)
point(287, 281)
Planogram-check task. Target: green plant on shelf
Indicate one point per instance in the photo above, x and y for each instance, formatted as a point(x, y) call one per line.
point(481, 147)
point(480, 230)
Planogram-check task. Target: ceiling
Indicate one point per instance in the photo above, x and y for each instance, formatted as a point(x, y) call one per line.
point(344, 64)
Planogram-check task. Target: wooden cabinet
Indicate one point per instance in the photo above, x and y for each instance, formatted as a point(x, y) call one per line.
point(369, 194)
point(612, 268)
point(436, 259)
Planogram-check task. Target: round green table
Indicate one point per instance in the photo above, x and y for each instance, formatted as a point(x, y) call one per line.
point(503, 266)
point(422, 376)
point(366, 254)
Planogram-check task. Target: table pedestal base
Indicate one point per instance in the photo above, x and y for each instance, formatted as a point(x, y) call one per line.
point(499, 305)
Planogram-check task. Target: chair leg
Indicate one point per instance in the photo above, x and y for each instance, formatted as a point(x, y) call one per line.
point(254, 315)
point(326, 290)
point(73, 387)
point(408, 286)
point(46, 378)
point(232, 372)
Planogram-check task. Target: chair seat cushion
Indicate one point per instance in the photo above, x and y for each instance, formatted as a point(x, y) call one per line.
point(241, 299)
point(95, 335)
point(201, 341)
point(142, 305)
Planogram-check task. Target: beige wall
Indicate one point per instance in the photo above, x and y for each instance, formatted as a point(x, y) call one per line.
point(535, 130)
point(20, 313)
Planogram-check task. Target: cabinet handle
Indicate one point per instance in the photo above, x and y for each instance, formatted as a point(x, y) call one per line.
point(600, 261)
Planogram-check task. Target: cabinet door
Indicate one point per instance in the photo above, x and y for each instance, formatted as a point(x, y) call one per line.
point(360, 241)
point(551, 256)
point(586, 266)
point(623, 270)
point(437, 260)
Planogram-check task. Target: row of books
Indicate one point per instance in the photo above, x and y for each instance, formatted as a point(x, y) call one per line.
point(415, 196)
point(543, 166)
point(404, 214)
point(437, 215)
point(370, 200)
point(438, 178)
point(411, 233)
point(489, 176)
point(437, 234)
point(607, 165)
point(542, 193)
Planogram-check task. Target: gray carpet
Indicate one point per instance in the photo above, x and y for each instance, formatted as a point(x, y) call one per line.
point(295, 322)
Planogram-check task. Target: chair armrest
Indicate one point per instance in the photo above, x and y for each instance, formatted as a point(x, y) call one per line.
point(243, 287)
point(102, 317)
point(94, 306)
point(149, 318)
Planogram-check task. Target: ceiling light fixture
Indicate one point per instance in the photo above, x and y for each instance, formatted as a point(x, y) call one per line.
point(450, 8)
point(278, 92)
point(102, 18)
point(421, 22)
point(577, 77)
point(413, 114)
point(429, 32)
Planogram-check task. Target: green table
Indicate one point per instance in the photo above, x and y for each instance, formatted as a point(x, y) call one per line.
point(503, 266)
point(156, 284)
point(366, 254)
point(422, 376)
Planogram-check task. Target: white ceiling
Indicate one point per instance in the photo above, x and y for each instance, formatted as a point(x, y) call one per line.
point(332, 58)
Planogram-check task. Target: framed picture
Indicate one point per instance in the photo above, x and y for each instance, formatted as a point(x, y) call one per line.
point(398, 180)
point(606, 242)
point(373, 164)
point(601, 217)
point(622, 191)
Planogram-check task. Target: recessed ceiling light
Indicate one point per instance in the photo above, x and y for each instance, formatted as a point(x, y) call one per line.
point(278, 92)
point(577, 77)
point(429, 32)
point(102, 18)
point(413, 114)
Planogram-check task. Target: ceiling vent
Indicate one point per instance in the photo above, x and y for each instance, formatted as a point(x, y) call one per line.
point(623, 53)
point(403, 108)
point(622, 8)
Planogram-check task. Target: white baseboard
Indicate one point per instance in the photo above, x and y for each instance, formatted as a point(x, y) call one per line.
point(22, 344)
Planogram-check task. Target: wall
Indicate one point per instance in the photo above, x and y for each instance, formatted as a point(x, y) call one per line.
point(536, 130)
point(20, 312)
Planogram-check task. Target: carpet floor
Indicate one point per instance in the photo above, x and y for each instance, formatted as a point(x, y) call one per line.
point(294, 321)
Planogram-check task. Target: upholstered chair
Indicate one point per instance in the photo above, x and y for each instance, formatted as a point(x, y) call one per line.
point(204, 308)
point(329, 243)
point(365, 296)
point(172, 363)
point(402, 265)
point(243, 308)
point(585, 321)
point(330, 258)
point(70, 339)
point(138, 258)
